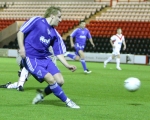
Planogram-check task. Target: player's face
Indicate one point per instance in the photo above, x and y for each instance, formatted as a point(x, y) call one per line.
point(56, 19)
point(119, 31)
point(82, 25)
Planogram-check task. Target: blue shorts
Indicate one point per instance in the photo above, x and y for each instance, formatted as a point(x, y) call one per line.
point(78, 47)
point(40, 67)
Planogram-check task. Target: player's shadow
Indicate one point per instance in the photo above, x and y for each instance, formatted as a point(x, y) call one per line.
point(135, 104)
point(53, 102)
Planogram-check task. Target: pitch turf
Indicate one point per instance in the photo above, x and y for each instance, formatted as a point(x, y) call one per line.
point(100, 95)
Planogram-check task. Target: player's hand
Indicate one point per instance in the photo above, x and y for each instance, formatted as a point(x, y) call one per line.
point(93, 45)
point(22, 53)
point(72, 68)
point(124, 48)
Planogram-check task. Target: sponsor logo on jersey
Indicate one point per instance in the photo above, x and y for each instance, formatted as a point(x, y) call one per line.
point(43, 40)
point(82, 36)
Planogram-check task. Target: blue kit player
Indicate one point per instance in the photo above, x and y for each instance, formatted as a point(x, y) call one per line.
point(34, 38)
point(80, 35)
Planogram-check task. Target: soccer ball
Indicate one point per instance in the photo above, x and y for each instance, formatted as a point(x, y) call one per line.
point(132, 84)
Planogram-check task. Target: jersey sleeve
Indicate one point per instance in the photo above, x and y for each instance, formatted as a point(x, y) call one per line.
point(123, 39)
point(88, 34)
point(58, 45)
point(73, 34)
point(113, 38)
point(29, 25)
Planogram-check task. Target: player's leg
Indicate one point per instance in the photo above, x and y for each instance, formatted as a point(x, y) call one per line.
point(118, 62)
point(83, 62)
point(110, 58)
point(22, 79)
point(40, 73)
point(5, 85)
point(72, 56)
point(23, 76)
point(57, 91)
point(59, 79)
point(118, 59)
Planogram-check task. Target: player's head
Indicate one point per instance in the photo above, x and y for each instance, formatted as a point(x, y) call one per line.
point(82, 24)
point(54, 14)
point(119, 31)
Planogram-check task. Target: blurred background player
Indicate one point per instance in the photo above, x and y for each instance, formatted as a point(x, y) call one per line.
point(80, 35)
point(23, 74)
point(116, 43)
point(34, 38)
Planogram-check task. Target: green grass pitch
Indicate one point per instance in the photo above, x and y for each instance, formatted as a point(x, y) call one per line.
point(101, 94)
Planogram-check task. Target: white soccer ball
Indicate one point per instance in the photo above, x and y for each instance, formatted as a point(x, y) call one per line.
point(132, 84)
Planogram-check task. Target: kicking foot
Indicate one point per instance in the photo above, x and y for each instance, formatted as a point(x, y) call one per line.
point(39, 97)
point(71, 104)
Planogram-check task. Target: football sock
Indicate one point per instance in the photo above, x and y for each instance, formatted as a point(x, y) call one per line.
point(109, 59)
point(118, 62)
point(48, 91)
point(67, 100)
point(23, 77)
point(83, 64)
point(57, 90)
point(71, 56)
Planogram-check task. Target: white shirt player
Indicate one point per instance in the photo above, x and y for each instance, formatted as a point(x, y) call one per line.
point(117, 40)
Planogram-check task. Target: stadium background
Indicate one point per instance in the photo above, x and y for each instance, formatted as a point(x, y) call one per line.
point(102, 17)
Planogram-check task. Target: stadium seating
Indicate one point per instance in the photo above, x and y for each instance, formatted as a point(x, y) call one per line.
point(70, 10)
point(5, 23)
point(132, 17)
point(130, 29)
point(127, 11)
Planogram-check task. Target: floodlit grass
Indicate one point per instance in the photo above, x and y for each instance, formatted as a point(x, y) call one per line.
point(100, 95)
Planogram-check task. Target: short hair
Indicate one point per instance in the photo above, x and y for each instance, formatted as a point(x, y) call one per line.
point(118, 28)
point(82, 21)
point(51, 11)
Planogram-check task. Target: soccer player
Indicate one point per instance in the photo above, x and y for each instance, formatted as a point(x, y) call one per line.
point(116, 43)
point(23, 74)
point(80, 34)
point(34, 38)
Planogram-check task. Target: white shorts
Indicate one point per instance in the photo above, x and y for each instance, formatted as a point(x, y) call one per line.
point(116, 51)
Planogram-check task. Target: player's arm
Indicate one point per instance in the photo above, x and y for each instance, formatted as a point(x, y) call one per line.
point(90, 38)
point(20, 37)
point(25, 28)
point(59, 49)
point(91, 41)
point(65, 63)
point(112, 44)
point(72, 35)
point(71, 41)
point(124, 44)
